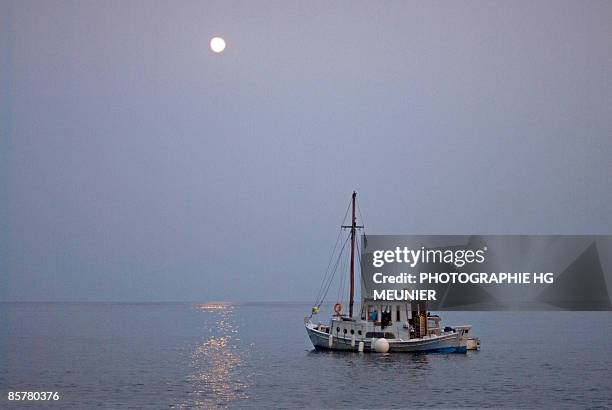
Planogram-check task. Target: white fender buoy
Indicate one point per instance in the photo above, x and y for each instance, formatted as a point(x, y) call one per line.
point(381, 345)
point(361, 346)
point(353, 340)
point(331, 340)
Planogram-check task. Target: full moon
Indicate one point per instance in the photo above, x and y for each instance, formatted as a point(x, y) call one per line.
point(217, 44)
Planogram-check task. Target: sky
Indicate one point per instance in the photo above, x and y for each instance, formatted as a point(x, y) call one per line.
point(137, 165)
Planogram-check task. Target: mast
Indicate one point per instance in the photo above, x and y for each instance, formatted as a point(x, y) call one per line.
point(354, 228)
point(352, 274)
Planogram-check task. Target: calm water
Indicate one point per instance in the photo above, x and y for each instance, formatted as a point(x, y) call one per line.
point(209, 355)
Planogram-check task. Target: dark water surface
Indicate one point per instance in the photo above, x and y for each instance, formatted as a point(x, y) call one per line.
point(258, 355)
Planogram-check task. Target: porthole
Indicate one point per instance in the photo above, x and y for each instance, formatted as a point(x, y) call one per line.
point(352, 331)
point(338, 329)
point(359, 332)
point(344, 330)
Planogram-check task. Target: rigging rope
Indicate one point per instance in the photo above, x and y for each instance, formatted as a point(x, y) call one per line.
point(329, 282)
point(363, 224)
point(359, 256)
point(331, 257)
point(343, 264)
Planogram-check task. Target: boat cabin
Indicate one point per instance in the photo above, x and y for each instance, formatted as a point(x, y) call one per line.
point(391, 320)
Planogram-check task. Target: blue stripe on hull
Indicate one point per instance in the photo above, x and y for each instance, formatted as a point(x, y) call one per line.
point(451, 349)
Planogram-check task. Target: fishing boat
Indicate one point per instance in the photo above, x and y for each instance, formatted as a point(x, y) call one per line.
point(379, 326)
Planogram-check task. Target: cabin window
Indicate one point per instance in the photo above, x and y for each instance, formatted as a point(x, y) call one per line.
point(338, 329)
point(344, 330)
point(397, 316)
point(359, 332)
point(352, 331)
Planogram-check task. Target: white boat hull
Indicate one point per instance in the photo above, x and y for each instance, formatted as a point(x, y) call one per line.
point(451, 342)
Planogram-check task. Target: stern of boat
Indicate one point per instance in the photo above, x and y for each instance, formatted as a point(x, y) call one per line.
point(463, 331)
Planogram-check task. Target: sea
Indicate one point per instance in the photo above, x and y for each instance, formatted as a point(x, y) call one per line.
point(257, 355)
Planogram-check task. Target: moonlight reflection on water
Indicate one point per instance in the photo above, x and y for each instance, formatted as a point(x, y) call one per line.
point(216, 363)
